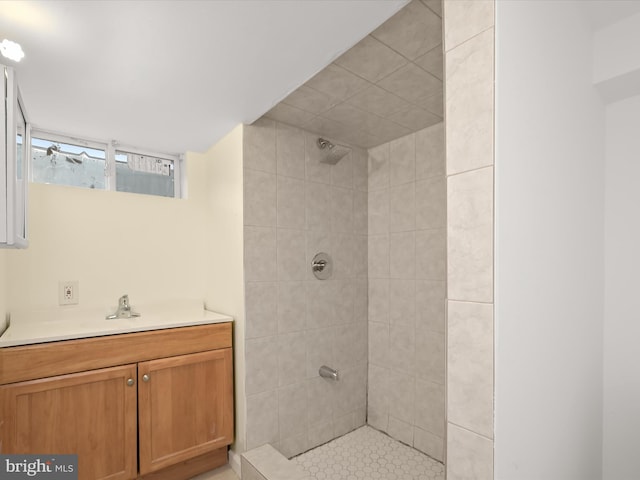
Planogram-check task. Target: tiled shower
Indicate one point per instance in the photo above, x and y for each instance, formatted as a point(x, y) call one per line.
point(379, 320)
point(408, 240)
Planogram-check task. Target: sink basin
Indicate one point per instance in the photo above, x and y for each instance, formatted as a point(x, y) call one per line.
point(65, 324)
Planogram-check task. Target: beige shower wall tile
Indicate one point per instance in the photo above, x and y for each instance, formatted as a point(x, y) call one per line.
point(430, 254)
point(402, 255)
point(431, 203)
point(310, 100)
point(412, 84)
point(402, 349)
point(430, 356)
point(259, 253)
point(402, 158)
point(430, 407)
point(435, 104)
point(379, 300)
point(402, 302)
point(430, 305)
point(464, 19)
point(402, 208)
point(401, 431)
point(337, 82)
point(371, 59)
point(470, 236)
point(259, 145)
point(259, 198)
point(260, 309)
point(435, 5)
point(261, 355)
point(470, 366)
point(292, 357)
point(290, 115)
point(378, 167)
point(433, 62)
point(430, 152)
point(412, 31)
point(428, 443)
point(379, 256)
point(402, 396)
point(376, 100)
point(290, 151)
point(469, 104)
point(415, 118)
point(291, 202)
point(262, 419)
point(469, 456)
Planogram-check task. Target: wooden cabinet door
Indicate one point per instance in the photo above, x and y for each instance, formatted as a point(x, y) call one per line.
point(185, 407)
point(91, 414)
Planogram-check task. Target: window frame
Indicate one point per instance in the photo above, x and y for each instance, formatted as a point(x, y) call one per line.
point(110, 148)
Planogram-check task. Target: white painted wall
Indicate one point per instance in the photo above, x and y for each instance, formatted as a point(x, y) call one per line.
point(549, 245)
point(112, 243)
point(616, 59)
point(224, 264)
point(621, 418)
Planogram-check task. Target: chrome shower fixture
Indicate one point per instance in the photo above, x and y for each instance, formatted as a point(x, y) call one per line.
point(332, 153)
point(323, 143)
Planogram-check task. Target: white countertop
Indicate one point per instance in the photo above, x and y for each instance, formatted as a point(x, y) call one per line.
point(70, 323)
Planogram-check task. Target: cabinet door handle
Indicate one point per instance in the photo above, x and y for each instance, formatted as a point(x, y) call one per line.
point(145, 378)
point(130, 382)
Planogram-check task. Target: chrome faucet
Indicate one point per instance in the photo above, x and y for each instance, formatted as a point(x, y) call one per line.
point(124, 309)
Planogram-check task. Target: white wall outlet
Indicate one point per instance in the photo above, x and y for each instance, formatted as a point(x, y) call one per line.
point(68, 292)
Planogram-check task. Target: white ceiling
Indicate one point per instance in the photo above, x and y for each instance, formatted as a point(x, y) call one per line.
point(173, 76)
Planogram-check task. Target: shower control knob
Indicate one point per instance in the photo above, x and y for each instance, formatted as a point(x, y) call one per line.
point(319, 266)
point(322, 266)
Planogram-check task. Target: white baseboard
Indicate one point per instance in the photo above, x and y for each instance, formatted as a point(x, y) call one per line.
point(234, 462)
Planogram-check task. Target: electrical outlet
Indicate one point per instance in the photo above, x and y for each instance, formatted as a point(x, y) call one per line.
point(68, 293)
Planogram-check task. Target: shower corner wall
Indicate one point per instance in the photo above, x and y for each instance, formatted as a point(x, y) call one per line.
point(407, 284)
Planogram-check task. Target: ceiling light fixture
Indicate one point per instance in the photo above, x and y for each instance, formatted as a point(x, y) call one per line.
point(11, 50)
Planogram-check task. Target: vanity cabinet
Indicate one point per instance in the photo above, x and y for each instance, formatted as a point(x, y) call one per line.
point(156, 404)
point(92, 414)
point(183, 408)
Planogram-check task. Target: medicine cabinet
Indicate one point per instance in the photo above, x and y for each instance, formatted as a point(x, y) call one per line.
point(14, 164)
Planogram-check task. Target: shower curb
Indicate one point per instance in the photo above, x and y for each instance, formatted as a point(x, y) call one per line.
point(266, 463)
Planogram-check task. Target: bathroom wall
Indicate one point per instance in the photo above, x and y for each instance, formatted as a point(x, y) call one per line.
point(549, 245)
point(407, 281)
point(223, 264)
point(621, 407)
point(112, 243)
point(469, 109)
point(294, 207)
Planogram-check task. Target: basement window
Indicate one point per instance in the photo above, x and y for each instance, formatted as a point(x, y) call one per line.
point(62, 160)
point(138, 173)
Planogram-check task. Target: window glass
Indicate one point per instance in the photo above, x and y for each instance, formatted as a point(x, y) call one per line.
point(67, 164)
point(144, 174)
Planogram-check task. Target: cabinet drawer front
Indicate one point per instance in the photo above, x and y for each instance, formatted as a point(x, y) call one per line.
point(46, 359)
point(91, 414)
point(185, 407)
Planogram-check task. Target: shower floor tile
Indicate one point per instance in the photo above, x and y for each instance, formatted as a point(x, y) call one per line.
point(367, 454)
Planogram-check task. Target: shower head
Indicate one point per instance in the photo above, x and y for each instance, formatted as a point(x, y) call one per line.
point(331, 153)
